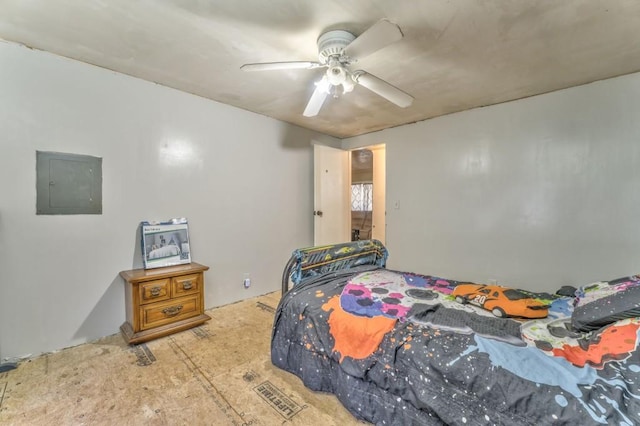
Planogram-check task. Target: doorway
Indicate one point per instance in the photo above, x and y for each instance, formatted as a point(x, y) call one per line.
point(337, 216)
point(368, 179)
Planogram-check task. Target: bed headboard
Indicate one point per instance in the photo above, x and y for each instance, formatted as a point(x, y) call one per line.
point(312, 261)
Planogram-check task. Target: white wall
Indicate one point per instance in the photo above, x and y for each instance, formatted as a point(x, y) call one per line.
point(244, 181)
point(536, 193)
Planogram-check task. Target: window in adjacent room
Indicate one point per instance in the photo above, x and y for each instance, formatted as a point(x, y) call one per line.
point(361, 197)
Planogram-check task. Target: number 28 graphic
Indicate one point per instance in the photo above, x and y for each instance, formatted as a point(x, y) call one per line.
point(479, 299)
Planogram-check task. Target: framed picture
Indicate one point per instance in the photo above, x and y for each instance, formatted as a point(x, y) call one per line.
point(165, 243)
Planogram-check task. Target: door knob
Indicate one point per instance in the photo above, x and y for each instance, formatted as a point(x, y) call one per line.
point(317, 213)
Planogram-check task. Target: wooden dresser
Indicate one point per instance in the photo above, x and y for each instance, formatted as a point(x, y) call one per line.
point(163, 301)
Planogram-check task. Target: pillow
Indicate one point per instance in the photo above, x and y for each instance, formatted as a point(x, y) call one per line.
point(605, 302)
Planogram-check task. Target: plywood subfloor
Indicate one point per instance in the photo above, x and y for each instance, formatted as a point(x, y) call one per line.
point(217, 374)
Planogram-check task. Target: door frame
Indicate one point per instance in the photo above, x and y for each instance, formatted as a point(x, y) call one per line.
point(343, 172)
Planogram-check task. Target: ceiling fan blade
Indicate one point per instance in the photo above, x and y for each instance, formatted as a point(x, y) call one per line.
point(268, 66)
point(379, 35)
point(384, 89)
point(317, 98)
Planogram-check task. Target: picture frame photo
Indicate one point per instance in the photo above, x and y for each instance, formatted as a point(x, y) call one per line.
point(165, 243)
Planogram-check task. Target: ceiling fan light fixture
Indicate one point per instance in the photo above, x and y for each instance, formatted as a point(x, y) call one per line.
point(336, 75)
point(348, 84)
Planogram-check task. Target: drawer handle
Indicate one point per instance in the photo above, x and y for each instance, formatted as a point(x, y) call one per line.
point(172, 311)
point(187, 285)
point(155, 291)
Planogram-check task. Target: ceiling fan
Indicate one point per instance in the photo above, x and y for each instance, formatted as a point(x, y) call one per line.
point(337, 50)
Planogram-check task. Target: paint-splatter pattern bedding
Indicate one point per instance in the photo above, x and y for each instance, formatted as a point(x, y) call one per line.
point(397, 349)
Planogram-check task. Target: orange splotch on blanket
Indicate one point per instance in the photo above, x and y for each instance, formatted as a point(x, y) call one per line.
point(355, 336)
point(406, 345)
point(614, 343)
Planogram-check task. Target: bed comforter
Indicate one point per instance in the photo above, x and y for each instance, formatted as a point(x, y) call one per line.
point(396, 349)
point(165, 251)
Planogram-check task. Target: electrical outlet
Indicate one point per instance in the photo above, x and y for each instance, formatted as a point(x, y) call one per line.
point(246, 282)
point(493, 281)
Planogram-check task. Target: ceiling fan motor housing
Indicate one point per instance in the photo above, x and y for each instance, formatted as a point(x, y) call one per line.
point(332, 43)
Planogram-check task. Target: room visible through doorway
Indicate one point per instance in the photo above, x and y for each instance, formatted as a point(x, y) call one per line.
point(368, 193)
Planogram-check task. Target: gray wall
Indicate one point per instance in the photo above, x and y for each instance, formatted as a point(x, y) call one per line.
point(536, 193)
point(244, 181)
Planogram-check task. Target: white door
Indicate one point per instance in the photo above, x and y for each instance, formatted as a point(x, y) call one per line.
point(379, 220)
point(332, 196)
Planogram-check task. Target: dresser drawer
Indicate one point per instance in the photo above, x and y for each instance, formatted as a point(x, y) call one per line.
point(186, 284)
point(157, 314)
point(162, 301)
point(155, 291)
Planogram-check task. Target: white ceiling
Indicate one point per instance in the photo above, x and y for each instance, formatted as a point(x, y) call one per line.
point(455, 54)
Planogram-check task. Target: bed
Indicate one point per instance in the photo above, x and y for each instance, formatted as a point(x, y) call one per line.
point(164, 251)
point(397, 349)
